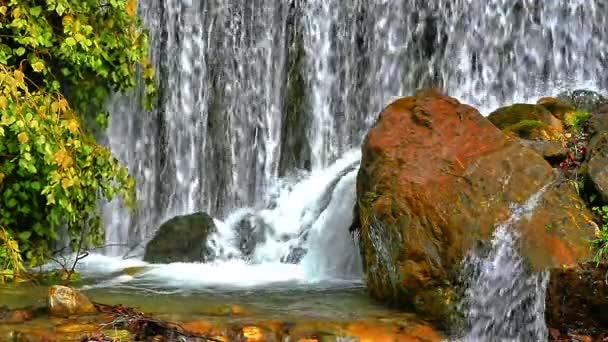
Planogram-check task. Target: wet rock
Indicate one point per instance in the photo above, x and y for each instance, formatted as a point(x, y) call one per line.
point(436, 177)
point(553, 151)
point(65, 301)
point(135, 270)
point(181, 239)
point(295, 255)
point(251, 231)
point(577, 299)
point(584, 100)
point(597, 157)
point(8, 316)
point(527, 121)
point(559, 108)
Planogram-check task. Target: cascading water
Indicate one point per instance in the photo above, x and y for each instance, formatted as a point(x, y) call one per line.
point(504, 300)
point(260, 100)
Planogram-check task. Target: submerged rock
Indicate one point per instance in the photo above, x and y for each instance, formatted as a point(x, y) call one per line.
point(181, 239)
point(436, 177)
point(65, 301)
point(8, 316)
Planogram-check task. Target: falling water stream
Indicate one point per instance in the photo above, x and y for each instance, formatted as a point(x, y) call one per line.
point(262, 103)
point(504, 300)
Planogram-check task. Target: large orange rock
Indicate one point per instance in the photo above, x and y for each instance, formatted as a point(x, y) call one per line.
point(436, 177)
point(65, 301)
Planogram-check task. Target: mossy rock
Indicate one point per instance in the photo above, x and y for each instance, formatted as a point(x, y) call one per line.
point(527, 121)
point(181, 239)
point(559, 108)
point(532, 130)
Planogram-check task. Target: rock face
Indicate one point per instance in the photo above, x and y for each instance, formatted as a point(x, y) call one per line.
point(65, 301)
point(553, 151)
point(577, 298)
point(181, 239)
point(597, 157)
point(435, 179)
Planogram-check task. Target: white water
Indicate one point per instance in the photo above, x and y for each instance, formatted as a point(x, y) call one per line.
point(215, 142)
point(313, 215)
point(504, 299)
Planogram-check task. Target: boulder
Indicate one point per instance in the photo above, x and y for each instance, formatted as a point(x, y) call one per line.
point(251, 231)
point(181, 239)
point(597, 152)
point(553, 151)
point(436, 177)
point(577, 299)
point(559, 108)
point(527, 121)
point(583, 100)
point(65, 301)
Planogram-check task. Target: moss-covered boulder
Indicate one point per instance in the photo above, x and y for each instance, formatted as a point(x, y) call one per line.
point(527, 121)
point(559, 108)
point(181, 239)
point(436, 177)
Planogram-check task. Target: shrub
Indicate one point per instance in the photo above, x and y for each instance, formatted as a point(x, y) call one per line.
point(59, 62)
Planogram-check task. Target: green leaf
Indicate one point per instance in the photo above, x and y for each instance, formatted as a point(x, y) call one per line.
point(60, 9)
point(20, 51)
point(25, 235)
point(35, 11)
point(70, 41)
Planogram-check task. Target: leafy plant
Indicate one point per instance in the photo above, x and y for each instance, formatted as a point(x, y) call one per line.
point(10, 258)
point(576, 120)
point(601, 240)
point(59, 62)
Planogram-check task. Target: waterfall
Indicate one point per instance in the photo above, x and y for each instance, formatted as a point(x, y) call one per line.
point(258, 95)
point(504, 300)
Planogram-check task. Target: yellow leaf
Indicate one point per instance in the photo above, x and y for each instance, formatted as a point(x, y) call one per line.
point(55, 106)
point(66, 183)
point(59, 155)
point(63, 105)
point(3, 102)
point(17, 12)
point(131, 7)
point(73, 126)
point(23, 138)
point(3, 10)
point(67, 162)
point(2, 175)
point(38, 66)
point(18, 75)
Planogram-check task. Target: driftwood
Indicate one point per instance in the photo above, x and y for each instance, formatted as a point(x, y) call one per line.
point(145, 328)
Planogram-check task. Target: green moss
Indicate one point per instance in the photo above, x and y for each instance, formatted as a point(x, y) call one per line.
point(557, 107)
point(508, 116)
point(530, 129)
point(575, 120)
